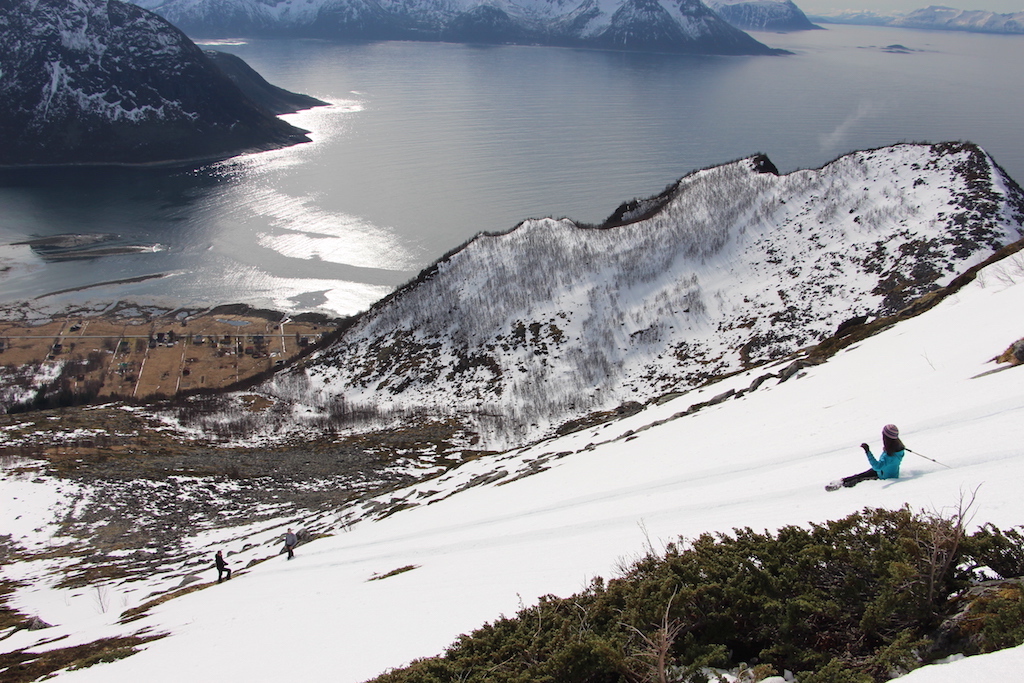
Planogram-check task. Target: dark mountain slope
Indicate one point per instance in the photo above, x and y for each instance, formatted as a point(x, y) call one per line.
point(106, 82)
point(272, 98)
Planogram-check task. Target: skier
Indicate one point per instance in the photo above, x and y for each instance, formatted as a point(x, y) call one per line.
point(222, 567)
point(886, 466)
point(290, 542)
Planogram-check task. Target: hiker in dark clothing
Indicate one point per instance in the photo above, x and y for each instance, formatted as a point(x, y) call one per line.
point(290, 541)
point(222, 567)
point(887, 465)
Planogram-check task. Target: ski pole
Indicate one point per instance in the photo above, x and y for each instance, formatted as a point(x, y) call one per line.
point(932, 459)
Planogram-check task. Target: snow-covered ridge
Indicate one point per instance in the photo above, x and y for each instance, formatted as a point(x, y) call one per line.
point(664, 25)
point(935, 17)
point(730, 267)
point(101, 81)
point(762, 15)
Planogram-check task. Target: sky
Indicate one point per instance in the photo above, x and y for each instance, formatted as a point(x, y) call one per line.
point(760, 460)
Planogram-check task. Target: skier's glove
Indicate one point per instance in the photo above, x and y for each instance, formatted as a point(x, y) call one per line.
point(865, 447)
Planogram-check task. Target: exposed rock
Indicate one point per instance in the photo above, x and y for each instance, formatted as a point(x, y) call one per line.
point(37, 624)
point(187, 579)
point(846, 327)
point(1014, 353)
point(965, 632)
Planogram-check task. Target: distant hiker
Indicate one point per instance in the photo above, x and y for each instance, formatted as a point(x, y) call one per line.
point(290, 541)
point(886, 466)
point(222, 567)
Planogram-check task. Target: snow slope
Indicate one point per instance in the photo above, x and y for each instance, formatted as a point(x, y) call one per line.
point(606, 493)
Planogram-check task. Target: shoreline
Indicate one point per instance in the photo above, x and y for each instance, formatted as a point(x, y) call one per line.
point(82, 288)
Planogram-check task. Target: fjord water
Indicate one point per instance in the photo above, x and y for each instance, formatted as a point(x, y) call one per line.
point(427, 144)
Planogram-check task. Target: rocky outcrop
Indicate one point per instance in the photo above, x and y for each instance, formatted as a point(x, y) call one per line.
point(1014, 354)
point(979, 623)
point(106, 82)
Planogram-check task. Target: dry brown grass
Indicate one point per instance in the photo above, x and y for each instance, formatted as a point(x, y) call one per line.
point(20, 666)
point(210, 351)
point(136, 613)
point(393, 572)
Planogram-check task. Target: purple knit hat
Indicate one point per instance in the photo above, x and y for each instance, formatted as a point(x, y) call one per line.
point(891, 431)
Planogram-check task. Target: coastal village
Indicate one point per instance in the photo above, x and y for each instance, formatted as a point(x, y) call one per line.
point(137, 355)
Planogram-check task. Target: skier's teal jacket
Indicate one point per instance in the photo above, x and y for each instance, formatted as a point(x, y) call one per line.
point(886, 465)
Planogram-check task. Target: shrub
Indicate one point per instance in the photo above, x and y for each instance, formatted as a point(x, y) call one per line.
point(1000, 551)
point(848, 601)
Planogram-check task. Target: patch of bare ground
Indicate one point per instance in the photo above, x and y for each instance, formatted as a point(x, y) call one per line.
point(10, 618)
point(146, 491)
point(21, 666)
point(135, 613)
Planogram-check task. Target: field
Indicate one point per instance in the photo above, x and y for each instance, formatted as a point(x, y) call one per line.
point(140, 354)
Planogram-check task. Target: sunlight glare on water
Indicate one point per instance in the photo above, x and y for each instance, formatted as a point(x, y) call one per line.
point(424, 145)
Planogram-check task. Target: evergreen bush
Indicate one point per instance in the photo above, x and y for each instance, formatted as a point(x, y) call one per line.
point(848, 601)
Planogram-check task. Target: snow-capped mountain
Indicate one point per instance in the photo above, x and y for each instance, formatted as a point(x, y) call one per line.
point(689, 24)
point(762, 15)
point(661, 25)
point(935, 17)
point(515, 334)
point(102, 81)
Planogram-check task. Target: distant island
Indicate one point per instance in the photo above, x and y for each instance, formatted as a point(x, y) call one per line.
point(101, 82)
point(935, 17)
